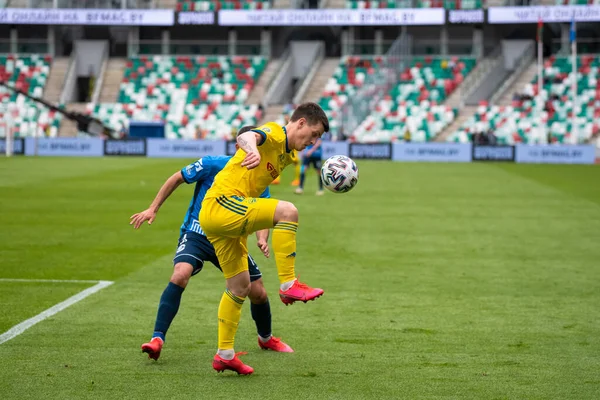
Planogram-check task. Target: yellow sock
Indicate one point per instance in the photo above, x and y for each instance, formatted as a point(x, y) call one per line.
point(284, 247)
point(230, 311)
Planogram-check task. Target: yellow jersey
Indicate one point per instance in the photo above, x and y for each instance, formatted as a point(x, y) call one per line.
point(241, 181)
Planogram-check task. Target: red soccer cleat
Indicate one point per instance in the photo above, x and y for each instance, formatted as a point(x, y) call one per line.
point(275, 344)
point(235, 364)
point(299, 292)
point(153, 348)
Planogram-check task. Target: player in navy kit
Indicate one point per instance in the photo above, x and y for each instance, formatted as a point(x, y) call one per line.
point(312, 155)
point(194, 249)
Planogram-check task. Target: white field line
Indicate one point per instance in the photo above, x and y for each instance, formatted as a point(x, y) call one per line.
point(23, 326)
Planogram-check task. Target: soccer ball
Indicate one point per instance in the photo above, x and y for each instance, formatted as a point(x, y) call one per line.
point(339, 174)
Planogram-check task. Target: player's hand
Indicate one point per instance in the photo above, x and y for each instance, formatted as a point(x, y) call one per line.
point(138, 219)
point(252, 160)
point(264, 247)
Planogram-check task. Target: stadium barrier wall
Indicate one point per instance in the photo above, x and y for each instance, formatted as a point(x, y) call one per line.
point(412, 152)
point(544, 154)
point(432, 152)
point(493, 153)
point(18, 146)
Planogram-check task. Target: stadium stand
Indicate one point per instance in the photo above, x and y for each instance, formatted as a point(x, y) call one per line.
point(547, 118)
point(28, 74)
point(205, 5)
point(197, 97)
point(414, 104)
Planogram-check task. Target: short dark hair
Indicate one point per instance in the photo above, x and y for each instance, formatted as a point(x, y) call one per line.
point(245, 129)
point(313, 113)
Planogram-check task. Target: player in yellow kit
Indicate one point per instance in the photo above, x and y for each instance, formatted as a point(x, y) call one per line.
point(232, 210)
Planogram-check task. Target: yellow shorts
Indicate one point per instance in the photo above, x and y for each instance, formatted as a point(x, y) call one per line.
point(228, 220)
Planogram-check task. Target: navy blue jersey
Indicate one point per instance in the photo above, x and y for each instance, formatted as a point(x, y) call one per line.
point(203, 173)
point(318, 153)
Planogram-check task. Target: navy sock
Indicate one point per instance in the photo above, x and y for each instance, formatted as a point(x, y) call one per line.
point(320, 180)
point(261, 314)
point(302, 177)
point(167, 309)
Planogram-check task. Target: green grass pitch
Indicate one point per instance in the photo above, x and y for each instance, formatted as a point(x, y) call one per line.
point(442, 281)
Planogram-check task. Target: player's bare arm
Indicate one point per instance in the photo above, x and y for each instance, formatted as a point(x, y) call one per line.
point(163, 194)
point(248, 142)
point(262, 241)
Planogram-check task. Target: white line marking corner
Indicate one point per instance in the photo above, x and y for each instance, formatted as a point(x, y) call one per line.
point(23, 326)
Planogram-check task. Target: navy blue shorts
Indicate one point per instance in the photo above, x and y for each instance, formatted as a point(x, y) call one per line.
point(195, 249)
point(315, 161)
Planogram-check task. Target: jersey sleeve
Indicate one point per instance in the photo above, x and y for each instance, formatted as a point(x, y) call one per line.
point(266, 194)
point(270, 132)
point(197, 170)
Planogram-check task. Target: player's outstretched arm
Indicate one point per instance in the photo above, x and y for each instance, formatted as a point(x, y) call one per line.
point(165, 191)
point(262, 241)
point(248, 142)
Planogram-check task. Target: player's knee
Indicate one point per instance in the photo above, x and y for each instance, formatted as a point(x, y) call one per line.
point(258, 294)
point(239, 285)
point(182, 272)
point(286, 211)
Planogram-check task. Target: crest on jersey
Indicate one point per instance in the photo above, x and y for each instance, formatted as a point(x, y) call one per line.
point(266, 130)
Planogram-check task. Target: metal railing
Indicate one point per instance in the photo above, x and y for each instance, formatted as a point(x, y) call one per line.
point(523, 63)
point(100, 80)
point(70, 79)
point(476, 77)
point(279, 78)
point(360, 105)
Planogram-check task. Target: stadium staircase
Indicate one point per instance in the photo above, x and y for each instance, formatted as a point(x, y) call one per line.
point(168, 4)
point(325, 72)
point(68, 128)
point(274, 113)
point(466, 113)
point(262, 85)
point(113, 76)
point(280, 4)
point(519, 83)
point(56, 79)
point(457, 98)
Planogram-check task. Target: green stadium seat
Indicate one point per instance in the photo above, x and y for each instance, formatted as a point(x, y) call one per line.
point(28, 74)
point(196, 97)
point(546, 118)
point(413, 105)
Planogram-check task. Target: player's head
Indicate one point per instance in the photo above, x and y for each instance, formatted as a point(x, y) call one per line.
point(306, 125)
point(244, 129)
